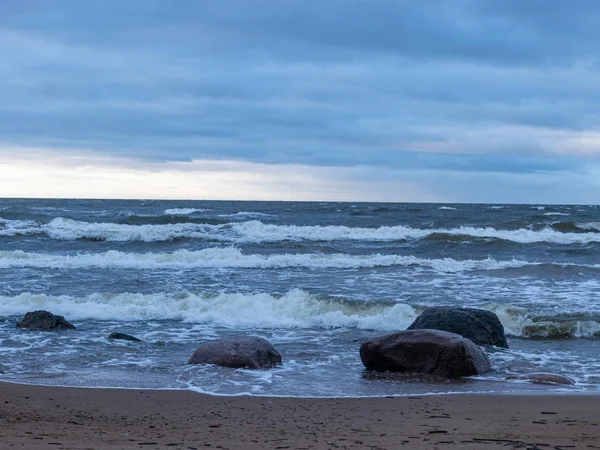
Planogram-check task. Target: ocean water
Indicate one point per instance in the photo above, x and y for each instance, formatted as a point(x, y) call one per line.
point(313, 278)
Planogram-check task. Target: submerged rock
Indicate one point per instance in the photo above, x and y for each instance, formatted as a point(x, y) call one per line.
point(124, 336)
point(480, 326)
point(44, 320)
point(543, 378)
point(424, 351)
point(237, 352)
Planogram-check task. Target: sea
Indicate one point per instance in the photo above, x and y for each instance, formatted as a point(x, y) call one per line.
point(314, 278)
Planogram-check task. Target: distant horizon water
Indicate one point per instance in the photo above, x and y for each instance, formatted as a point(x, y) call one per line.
point(184, 200)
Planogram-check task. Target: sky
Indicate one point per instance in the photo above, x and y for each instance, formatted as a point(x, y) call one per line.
point(494, 101)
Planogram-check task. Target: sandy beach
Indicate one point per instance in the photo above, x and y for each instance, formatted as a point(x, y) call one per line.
point(34, 417)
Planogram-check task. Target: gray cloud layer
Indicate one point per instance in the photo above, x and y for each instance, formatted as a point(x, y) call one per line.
point(467, 85)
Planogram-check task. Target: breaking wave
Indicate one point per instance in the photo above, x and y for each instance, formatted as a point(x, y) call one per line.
point(184, 211)
point(234, 258)
point(18, 227)
point(255, 231)
point(247, 215)
point(519, 322)
point(295, 309)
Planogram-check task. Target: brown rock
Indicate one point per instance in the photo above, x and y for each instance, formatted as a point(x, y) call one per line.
point(44, 320)
point(424, 351)
point(237, 352)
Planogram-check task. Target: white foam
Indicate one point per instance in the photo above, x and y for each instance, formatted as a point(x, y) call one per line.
point(447, 207)
point(247, 215)
point(519, 322)
point(556, 214)
point(513, 318)
point(184, 211)
point(68, 229)
point(258, 231)
point(18, 227)
point(590, 226)
point(295, 309)
point(230, 257)
point(255, 231)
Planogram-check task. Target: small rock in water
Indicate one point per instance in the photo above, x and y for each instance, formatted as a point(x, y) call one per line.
point(124, 336)
point(543, 378)
point(44, 320)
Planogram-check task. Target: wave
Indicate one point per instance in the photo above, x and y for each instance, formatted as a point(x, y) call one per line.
point(519, 322)
point(68, 229)
point(18, 227)
point(231, 257)
point(256, 231)
point(247, 215)
point(567, 227)
point(169, 220)
point(576, 227)
point(184, 211)
point(595, 226)
point(450, 208)
point(295, 309)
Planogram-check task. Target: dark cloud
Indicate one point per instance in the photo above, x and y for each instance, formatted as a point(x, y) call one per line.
point(471, 86)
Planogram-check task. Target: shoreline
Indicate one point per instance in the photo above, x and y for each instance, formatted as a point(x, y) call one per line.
point(519, 388)
point(36, 417)
point(528, 389)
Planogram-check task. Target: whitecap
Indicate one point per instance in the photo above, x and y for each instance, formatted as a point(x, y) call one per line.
point(247, 215)
point(18, 227)
point(183, 211)
point(590, 226)
point(295, 309)
point(231, 257)
point(520, 322)
point(255, 231)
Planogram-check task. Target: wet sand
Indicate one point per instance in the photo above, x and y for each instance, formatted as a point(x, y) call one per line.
point(34, 417)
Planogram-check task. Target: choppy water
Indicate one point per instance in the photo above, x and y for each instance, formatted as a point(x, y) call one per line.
point(313, 278)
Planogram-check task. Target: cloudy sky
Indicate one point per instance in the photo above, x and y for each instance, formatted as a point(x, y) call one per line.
point(379, 100)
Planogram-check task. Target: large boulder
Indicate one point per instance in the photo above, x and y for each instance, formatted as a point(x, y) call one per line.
point(237, 352)
point(480, 326)
point(44, 320)
point(424, 351)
